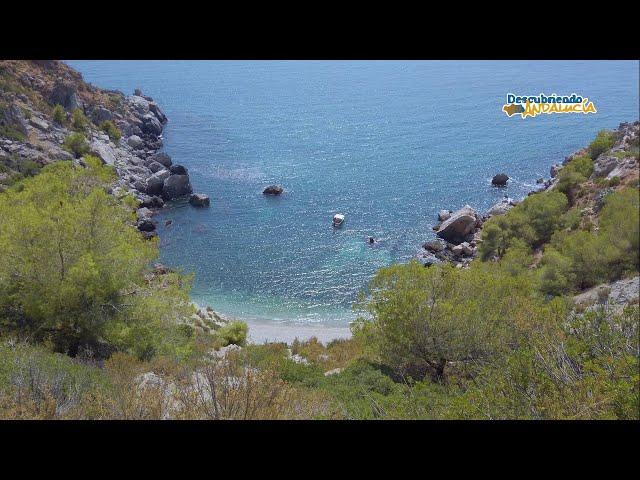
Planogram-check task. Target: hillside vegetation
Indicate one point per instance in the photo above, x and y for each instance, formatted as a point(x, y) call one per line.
point(91, 329)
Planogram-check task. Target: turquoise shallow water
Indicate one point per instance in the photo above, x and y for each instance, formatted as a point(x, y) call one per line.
point(386, 143)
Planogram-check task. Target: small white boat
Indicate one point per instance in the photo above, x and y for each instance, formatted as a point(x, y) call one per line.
point(338, 219)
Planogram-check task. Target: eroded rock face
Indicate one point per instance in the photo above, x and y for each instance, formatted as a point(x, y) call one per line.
point(604, 165)
point(459, 225)
point(64, 94)
point(176, 186)
point(273, 190)
point(13, 117)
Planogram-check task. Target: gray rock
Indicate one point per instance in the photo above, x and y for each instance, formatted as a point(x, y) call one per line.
point(134, 141)
point(178, 170)
point(466, 248)
point(139, 104)
point(500, 208)
point(14, 118)
point(143, 212)
point(104, 151)
point(444, 215)
point(335, 371)
point(199, 200)
point(146, 225)
point(500, 180)
point(155, 183)
point(64, 94)
point(151, 125)
point(554, 170)
point(176, 186)
point(155, 109)
point(39, 123)
point(273, 190)
point(161, 158)
point(604, 165)
point(155, 167)
point(434, 246)
point(152, 201)
point(101, 114)
point(459, 225)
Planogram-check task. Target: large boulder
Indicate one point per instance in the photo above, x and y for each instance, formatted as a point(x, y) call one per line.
point(461, 223)
point(155, 166)
point(101, 114)
point(500, 180)
point(104, 151)
point(134, 141)
point(151, 125)
point(273, 190)
point(155, 183)
point(161, 158)
point(176, 186)
point(199, 200)
point(155, 109)
point(64, 94)
point(178, 170)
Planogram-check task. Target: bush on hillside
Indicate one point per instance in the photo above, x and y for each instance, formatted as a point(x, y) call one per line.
point(603, 142)
point(76, 143)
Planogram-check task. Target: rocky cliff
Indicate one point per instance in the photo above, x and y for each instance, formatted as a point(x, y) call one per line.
point(48, 113)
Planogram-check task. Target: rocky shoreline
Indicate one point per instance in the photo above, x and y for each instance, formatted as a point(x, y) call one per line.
point(40, 134)
point(459, 233)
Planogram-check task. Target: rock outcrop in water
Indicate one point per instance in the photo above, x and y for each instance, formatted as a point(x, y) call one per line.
point(273, 190)
point(500, 180)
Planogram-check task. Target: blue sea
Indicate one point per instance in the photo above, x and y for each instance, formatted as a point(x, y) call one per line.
point(387, 143)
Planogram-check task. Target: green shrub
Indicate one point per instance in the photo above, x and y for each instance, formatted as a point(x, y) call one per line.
point(8, 131)
point(79, 121)
point(110, 129)
point(570, 178)
point(615, 181)
point(81, 268)
point(76, 144)
point(533, 222)
point(418, 320)
point(603, 142)
point(59, 115)
point(234, 333)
